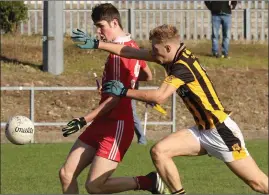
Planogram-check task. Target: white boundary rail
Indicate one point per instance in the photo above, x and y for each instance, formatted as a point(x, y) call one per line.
point(32, 90)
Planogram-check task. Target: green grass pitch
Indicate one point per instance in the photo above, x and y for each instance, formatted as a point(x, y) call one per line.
point(33, 169)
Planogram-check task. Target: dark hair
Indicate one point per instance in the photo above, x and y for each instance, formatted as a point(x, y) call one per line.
point(107, 12)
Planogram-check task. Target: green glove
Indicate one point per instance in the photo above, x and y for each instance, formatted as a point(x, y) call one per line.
point(90, 43)
point(73, 126)
point(80, 36)
point(114, 87)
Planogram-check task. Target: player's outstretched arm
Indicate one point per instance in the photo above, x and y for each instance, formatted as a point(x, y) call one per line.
point(121, 50)
point(126, 51)
point(158, 96)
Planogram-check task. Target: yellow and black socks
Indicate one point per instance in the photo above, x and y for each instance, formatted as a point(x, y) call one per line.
point(181, 191)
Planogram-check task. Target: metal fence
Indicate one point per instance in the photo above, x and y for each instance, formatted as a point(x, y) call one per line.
point(140, 4)
point(32, 90)
point(249, 19)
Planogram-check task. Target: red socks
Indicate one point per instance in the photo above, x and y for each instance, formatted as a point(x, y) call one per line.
point(143, 183)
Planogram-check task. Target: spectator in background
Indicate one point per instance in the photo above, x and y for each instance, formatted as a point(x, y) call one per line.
point(221, 15)
point(141, 139)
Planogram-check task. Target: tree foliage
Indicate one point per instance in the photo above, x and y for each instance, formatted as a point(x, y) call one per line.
point(11, 14)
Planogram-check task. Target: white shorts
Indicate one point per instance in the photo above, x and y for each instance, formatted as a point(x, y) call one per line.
point(225, 142)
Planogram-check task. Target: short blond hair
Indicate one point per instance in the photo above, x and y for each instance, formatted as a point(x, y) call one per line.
point(164, 33)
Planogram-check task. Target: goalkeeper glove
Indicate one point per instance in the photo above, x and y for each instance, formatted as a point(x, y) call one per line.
point(80, 36)
point(115, 87)
point(73, 126)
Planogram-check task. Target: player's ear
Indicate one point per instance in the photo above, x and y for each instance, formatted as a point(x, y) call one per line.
point(167, 48)
point(114, 23)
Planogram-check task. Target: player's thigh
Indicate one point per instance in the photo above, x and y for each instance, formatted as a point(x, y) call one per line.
point(246, 169)
point(115, 138)
point(180, 143)
point(79, 157)
point(101, 169)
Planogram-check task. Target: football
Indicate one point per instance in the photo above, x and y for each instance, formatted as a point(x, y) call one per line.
point(20, 130)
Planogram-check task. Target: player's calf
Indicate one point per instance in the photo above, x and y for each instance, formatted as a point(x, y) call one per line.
point(64, 176)
point(68, 181)
point(93, 188)
point(259, 184)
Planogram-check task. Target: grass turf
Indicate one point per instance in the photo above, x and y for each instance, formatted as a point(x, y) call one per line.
point(33, 169)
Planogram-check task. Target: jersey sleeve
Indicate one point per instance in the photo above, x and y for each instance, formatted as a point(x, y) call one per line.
point(179, 75)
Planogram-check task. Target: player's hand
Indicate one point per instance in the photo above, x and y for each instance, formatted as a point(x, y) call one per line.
point(80, 36)
point(114, 87)
point(73, 126)
point(90, 43)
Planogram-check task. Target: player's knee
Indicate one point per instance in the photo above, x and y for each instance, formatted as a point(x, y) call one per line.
point(157, 152)
point(65, 176)
point(259, 185)
point(93, 188)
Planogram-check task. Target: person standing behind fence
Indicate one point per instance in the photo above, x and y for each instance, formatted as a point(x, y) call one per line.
point(221, 15)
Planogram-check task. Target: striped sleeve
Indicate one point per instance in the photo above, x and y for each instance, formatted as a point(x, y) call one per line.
point(179, 75)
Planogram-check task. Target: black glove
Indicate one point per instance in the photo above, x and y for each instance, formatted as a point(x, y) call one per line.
point(73, 126)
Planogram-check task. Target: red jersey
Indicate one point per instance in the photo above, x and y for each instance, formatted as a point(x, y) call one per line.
point(126, 71)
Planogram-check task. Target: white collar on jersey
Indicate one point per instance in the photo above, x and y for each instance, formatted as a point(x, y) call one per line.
point(121, 39)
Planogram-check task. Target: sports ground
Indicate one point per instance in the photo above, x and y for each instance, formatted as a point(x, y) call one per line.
point(33, 169)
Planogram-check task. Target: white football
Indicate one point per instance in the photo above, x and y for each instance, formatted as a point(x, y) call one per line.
point(20, 130)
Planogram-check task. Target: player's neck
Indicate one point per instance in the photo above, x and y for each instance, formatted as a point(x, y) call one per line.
point(119, 33)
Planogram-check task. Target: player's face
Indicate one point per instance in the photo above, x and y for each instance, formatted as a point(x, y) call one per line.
point(159, 52)
point(105, 30)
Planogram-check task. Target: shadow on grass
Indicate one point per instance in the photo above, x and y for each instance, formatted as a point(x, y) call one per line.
point(15, 61)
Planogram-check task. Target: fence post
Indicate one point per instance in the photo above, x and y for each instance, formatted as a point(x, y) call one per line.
point(53, 37)
point(209, 26)
point(173, 113)
point(131, 21)
point(32, 108)
point(263, 25)
point(32, 104)
point(247, 24)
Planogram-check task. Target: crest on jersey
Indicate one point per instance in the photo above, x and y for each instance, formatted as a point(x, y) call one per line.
point(170, 79)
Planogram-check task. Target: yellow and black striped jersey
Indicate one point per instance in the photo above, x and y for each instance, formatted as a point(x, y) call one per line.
point(196, 89)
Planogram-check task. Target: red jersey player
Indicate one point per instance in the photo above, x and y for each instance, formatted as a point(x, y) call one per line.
point(104, 143)
point(126, 70)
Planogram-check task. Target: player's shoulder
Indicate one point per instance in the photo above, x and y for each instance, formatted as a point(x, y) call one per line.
point(185, 58)
point(180, 67)
point(131, 43)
